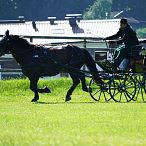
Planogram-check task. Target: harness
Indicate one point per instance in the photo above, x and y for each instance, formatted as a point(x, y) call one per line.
point(75, 53)
point(42, 56)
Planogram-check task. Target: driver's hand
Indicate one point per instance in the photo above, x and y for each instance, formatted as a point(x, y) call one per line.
point(104, 39)
point(112, 44)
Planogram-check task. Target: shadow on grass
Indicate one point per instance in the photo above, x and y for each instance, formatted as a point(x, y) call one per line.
point(63, 102)
point(89, 102)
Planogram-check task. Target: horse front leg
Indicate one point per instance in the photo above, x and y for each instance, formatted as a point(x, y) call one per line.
point(33, 87)
point(44, 90)
point(76, 81)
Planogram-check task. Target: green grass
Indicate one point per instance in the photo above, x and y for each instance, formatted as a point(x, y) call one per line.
point(52, 122)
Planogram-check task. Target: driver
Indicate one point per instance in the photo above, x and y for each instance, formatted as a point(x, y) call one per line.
point(128, 39)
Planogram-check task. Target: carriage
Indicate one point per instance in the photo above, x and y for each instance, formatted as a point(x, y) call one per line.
point(126, 83)
point(121, 85)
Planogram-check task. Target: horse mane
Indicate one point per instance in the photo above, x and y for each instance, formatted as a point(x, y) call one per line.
point(20, 41)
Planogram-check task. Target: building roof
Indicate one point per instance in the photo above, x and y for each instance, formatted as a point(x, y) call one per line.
point(82, 28)
point(125, 14)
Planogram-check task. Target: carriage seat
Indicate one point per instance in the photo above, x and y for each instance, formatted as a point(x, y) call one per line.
point(135, 52)
point(136, 59)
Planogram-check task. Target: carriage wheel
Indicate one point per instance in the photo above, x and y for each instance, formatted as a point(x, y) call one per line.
point(122, 88)
point(97, 92)
point(140, 86)
point(130, 86)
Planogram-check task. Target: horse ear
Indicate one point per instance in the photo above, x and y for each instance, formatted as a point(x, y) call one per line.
point(7, 33)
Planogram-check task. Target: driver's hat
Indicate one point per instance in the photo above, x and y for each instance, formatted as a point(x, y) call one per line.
point(123, 21)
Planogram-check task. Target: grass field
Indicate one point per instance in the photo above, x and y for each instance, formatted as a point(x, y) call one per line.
point(52, 122)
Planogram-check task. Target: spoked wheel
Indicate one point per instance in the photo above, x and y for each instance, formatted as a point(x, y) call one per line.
point(99, 92)
point(122, 88)
point(140, 86)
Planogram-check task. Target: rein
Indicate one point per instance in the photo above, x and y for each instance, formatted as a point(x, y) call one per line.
point(32, 48)
point(73, 69)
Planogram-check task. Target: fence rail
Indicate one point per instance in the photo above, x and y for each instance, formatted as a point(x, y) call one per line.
point(10, 70)
point(83, 38)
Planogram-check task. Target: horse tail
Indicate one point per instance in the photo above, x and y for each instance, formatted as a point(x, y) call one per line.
point(90, 63)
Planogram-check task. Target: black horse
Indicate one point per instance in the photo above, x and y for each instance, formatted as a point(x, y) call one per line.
point(38, 61)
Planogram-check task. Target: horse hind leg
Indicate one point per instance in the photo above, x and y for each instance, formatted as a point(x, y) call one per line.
point(83, 81)
point(76, 81)
point(92, 67)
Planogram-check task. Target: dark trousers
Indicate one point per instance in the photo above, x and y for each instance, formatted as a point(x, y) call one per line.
point(119, 54)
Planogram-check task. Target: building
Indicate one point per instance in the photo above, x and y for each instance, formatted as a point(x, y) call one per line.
point(72, 26)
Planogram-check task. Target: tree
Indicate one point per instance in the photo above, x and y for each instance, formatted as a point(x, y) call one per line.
point(99, 10)
point(141, 32)
point(91, 9)
point(41, 9)
point(136, 8)
point(8, 8)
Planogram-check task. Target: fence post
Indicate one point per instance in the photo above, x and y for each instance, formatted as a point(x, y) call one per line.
point(31, 39)
point(0, 73)
point(85, 47)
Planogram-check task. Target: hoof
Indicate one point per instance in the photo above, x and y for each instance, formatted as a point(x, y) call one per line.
point(47, 90)
point(67, 99)
point(85, 89)
point(44, 90)
point(34, 100)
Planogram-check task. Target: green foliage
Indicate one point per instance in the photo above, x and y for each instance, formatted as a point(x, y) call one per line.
point(99, 10)
point(8, 7)
point(92, 9)
point(136, 8)
point(141, 32)
point(40, 9)
point(52, 122)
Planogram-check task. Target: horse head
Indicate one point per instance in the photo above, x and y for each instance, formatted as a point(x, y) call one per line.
point(13, 43)
point(4, 44)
